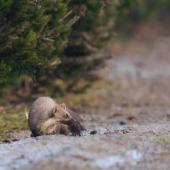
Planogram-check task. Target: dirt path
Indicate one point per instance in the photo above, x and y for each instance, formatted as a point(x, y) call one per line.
point(132, 123)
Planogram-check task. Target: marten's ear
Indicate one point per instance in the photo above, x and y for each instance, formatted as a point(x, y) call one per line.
point(63, 106)
point(57, 108)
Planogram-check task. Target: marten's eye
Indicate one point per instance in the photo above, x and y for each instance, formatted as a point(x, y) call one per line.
point(66, 116)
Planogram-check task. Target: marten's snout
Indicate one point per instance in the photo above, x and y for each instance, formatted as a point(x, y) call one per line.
point(73, 120)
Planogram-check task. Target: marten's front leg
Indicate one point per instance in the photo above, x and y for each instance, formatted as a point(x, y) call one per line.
point(63, 129)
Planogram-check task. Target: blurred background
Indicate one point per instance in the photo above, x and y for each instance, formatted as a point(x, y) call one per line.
point(58, 48)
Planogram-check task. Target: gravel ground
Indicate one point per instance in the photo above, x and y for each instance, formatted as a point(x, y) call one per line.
point(131, 130)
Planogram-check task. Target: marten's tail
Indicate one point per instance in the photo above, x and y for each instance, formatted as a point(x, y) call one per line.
point(26, 113)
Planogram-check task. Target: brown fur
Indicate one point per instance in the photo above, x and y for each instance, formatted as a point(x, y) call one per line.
point(47, 117)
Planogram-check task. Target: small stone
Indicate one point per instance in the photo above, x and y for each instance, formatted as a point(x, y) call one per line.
point(22, 157)
point(122, 123)
point(168, 115)
point(93, 132)
point(131, 118)
point(14, 140)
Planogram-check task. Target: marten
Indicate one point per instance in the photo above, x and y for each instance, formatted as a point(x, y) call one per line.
point(47, 117)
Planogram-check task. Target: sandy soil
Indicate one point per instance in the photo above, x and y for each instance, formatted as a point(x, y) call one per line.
point(132, 121)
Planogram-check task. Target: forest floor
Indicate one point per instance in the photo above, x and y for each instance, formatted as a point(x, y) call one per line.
point(129, 109)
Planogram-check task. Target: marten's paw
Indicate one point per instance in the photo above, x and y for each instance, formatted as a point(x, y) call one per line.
point(64, 130)
point(75, 128)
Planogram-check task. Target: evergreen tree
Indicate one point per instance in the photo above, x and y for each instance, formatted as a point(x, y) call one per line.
point(32, 34)
point(88, 36)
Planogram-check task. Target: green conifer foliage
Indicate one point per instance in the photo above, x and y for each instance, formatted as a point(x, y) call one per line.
point(32, 33)
point(88, 36)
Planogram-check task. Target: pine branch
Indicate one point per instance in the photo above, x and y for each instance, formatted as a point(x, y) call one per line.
point(13, 32)
point(55, 37)
point(66, 15)
point(5, 25)
point(103, 54)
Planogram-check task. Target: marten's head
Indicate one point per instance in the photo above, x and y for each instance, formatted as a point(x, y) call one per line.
point(61, 115)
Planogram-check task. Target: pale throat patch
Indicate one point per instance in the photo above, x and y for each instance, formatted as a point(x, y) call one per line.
point(48, 126)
